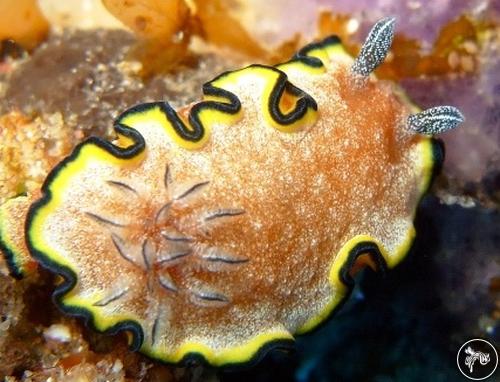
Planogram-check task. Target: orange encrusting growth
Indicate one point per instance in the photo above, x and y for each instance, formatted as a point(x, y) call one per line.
point(455, 50)
point(12, 240)
point(23, 22)
point(221, 239)
point(26, 141)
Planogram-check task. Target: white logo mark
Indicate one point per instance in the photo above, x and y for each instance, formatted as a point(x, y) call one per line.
point(484, 358)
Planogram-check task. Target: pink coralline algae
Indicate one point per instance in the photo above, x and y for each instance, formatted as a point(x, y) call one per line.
point(474, 151)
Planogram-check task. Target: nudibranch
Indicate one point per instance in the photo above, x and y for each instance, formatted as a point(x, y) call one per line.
point(222, 229)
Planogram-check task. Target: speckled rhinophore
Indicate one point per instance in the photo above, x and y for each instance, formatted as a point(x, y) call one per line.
point(222, 229)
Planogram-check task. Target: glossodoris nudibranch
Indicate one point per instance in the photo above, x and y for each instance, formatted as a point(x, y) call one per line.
point(222, 229)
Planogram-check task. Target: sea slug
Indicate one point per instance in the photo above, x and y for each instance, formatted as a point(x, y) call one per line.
point(224, 228)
